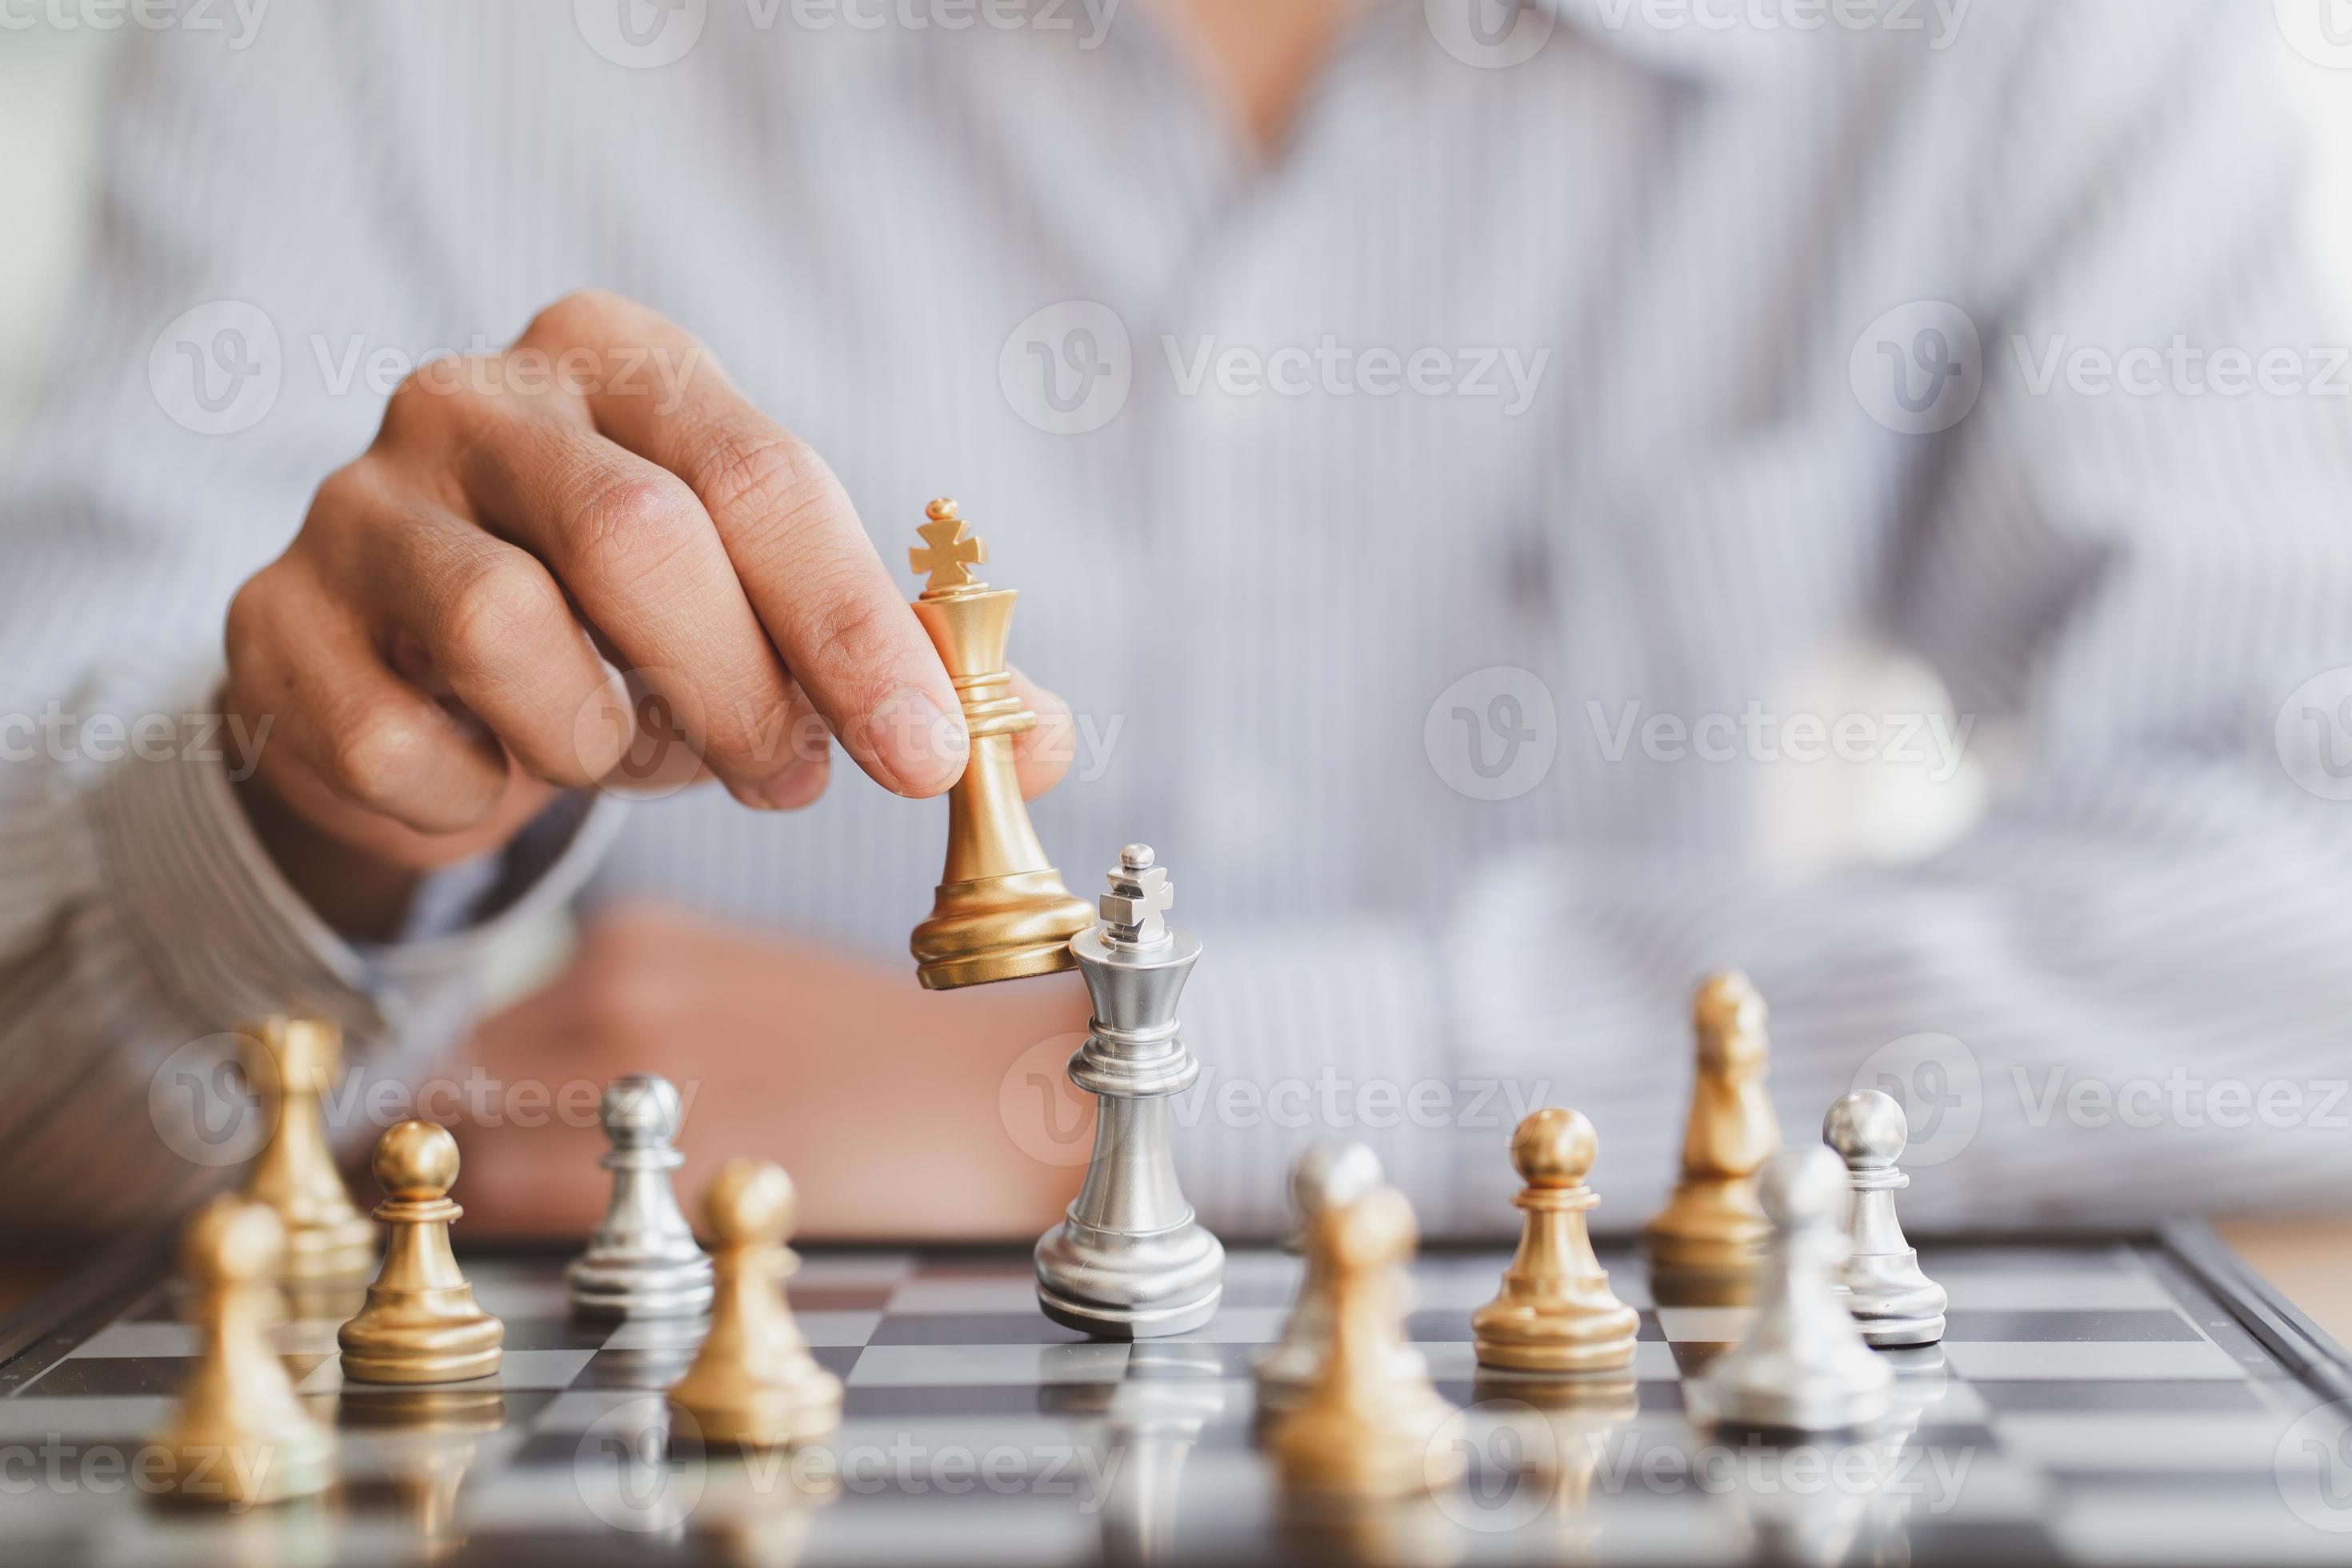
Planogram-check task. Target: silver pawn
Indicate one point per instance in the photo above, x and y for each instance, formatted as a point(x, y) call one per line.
point(1890, 1298)
point(642, 1262)
point(1803, 1366)
point(1129, 1261)
point(1334, 1172)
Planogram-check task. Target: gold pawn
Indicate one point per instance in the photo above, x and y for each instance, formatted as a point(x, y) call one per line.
point(754, 1383)
point(291, 1063)
point(1001, 910)
point(240, 1434)
point(420, 1323)
point(1363, 1431)
point(1555, 1312)
point(1713, 1221)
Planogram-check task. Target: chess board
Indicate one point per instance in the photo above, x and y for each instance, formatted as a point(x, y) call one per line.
point(2096, 1401)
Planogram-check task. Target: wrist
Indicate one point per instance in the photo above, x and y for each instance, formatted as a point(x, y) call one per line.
point(354, 892)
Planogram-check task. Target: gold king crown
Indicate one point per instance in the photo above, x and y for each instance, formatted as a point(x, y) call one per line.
point(1001, 910)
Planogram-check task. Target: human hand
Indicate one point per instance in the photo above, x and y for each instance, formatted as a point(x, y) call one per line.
point(422, 655)
point(880, 1098)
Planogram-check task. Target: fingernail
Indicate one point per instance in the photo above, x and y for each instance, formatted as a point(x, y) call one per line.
point(922, 747)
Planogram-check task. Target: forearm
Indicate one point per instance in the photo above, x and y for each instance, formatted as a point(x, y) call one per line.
point(146, 921)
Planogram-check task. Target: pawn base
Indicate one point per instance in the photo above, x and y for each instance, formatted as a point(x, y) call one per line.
point(1520, 1338)
point(636, 1289)
point(1108, 1320)
point(1850, 1391)
point(1897, 1334)
point(432, 1336)
point(1892, 1303)
point(759, 1418)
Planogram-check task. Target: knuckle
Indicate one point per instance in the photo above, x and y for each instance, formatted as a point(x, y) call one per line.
point(580, 316)
point(635, 524)
point(342, 497)
point(498, 613)
point(251, 611)
point(431, 398)
point(374, 757)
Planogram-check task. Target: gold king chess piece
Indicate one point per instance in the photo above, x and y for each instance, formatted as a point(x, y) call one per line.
point(290, 1063)
point(420, 1323)
point(240, 1434)
point(1712, 1224)
point(1556, 1313)
point(1001, 910)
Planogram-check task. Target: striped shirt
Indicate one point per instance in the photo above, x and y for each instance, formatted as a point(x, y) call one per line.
point(1438, 528)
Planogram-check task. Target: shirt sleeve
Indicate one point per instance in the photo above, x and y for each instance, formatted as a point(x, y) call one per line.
point(2121, 995)
point(243, 240)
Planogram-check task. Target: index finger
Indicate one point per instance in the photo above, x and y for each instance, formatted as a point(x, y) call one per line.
point(840, 623)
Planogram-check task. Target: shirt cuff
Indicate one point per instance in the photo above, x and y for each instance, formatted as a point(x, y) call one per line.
point(228, 939)
point(1303, 1036)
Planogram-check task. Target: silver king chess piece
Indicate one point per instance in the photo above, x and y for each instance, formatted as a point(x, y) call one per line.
point(1331, 1172)
point(1893, 1301)
point(1801, 1366)
point(1129, 1261)
point(642, 1262)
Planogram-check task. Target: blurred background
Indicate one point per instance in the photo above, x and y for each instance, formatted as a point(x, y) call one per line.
point(52, 82)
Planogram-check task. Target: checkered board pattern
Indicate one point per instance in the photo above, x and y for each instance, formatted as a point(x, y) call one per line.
point(2092, 1404)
